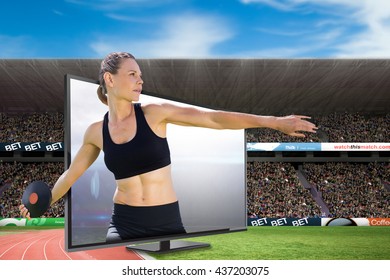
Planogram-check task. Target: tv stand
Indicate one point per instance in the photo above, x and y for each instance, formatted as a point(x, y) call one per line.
point(167, 246)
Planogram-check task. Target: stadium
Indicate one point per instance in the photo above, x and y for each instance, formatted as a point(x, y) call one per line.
point(296, 191)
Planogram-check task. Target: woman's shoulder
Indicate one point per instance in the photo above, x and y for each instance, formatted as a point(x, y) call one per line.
point(96, 125)
point(157, 107)
point(94, 133)
point(95, 128)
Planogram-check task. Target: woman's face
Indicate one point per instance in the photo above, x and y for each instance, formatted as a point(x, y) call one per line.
point(127, 83)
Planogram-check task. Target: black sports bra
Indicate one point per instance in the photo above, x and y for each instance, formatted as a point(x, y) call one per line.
point(144, 153)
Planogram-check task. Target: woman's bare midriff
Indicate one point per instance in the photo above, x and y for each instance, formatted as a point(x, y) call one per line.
point(148, 189)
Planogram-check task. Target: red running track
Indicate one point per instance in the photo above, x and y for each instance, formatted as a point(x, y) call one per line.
point(49, 245)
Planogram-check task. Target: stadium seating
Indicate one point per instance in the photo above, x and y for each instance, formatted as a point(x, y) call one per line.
point(273, 189)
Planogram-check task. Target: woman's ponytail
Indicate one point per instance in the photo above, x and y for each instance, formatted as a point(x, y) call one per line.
point(102, 95)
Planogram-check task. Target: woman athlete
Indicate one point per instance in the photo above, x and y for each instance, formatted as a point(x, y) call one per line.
point(133, 139)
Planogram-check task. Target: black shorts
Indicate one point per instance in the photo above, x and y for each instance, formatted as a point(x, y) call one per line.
point(129, 222)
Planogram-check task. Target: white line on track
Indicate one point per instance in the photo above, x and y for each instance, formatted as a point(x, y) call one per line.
point(30, 246)
point(15, 245)
point(44, 247)
point(59, 244)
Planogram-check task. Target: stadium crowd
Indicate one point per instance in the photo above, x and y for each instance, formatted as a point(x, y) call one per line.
point(352, 189)
point(273, 189)
point(348, 189)
point(15, 177)
point(32, 127)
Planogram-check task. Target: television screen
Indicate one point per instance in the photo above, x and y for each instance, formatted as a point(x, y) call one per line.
point(208, 171)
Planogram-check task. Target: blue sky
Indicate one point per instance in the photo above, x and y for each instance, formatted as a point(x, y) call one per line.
point(196, 29)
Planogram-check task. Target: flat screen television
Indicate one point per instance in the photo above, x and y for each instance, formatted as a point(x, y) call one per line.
point(208, 170)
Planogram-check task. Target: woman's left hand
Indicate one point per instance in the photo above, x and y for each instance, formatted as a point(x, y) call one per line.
point(292, 125)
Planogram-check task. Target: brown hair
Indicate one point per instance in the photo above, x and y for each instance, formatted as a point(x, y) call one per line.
point(111, 63)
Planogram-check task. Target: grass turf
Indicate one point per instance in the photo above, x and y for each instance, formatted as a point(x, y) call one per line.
point(18, 229)
point(292, 243)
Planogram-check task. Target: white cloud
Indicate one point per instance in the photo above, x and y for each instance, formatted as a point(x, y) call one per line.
point(111, 5)
point(373, 18)
point(58, 13)
point(184, 36)
point(283, 32)
point(133, 19)
point(300, 50)
point(369, 44)
point(13, 46)
point(280, 5)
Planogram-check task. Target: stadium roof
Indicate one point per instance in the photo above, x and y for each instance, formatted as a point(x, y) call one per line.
point(262, 86)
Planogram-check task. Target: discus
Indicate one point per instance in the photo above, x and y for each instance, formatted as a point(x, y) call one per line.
point(36, 198)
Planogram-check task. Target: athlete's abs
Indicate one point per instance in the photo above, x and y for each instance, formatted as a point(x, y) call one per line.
point(148, 189)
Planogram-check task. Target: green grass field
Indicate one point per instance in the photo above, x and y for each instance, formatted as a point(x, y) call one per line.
point(14, 229)
point(292, 243)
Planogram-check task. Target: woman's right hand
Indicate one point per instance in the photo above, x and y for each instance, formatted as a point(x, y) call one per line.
point(24, 212)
